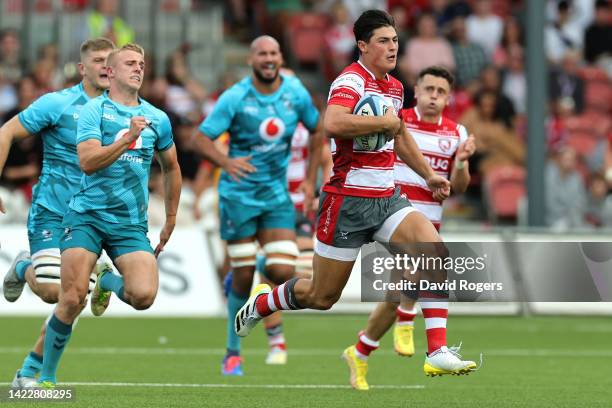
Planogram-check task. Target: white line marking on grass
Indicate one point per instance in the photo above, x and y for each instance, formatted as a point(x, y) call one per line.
point(536, 352)
point(265, 386)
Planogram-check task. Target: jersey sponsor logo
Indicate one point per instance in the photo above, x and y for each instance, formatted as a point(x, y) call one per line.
point(136, 144)
point(271, 129)
point(349, 80)
point(108, 116)
point(437, 163)
point(47, 235)
point(444, 144)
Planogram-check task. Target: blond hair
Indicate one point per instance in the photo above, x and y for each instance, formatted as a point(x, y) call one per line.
point(96, 44)
point(127, 47)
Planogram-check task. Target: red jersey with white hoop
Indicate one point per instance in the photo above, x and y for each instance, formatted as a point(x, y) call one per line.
point(362, 173)
point(438, 142)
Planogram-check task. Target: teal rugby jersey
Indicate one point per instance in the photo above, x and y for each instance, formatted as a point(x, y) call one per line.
point(260, 126)
point(119, 193)
point(54, 118)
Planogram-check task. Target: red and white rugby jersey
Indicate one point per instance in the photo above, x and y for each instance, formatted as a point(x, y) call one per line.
point(296, 171)
point(361, 173)
point(438, 142)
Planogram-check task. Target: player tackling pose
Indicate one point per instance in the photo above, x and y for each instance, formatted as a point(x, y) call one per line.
point(54, 118)
point(261, 113)
point(446, 146)
point(117, 136)
point(360, 203)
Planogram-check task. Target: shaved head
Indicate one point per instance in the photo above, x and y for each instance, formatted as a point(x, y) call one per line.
point(263, 40)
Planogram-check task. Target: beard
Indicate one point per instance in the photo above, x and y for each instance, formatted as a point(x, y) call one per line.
point(263, 79)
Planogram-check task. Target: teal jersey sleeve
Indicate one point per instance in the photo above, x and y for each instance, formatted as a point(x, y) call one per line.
point(164, 139)
point(220, 119)
point(42, 113)
point(90, 119)
point(309, 114)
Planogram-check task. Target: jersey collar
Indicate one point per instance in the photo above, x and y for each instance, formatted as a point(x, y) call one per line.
point(370, 72)
point(418, 115)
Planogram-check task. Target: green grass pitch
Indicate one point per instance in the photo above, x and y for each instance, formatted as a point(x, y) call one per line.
point(537, 361)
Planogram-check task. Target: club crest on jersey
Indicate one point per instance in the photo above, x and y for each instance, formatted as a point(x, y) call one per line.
point(445, 144)
point(136, 144)
point(271, 129)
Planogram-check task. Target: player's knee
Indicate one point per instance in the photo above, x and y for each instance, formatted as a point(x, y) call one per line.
point(279, 273)
point(72, 300)
point(48, 292)
point(142, 301)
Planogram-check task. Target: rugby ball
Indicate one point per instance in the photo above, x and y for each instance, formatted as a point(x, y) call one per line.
point(371, 105)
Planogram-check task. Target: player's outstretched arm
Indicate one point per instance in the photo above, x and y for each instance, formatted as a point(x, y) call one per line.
point(408, 151)
point(171, 173)
point(341, 123)
point(93, 156)
point(9, 132)
point(460, 177)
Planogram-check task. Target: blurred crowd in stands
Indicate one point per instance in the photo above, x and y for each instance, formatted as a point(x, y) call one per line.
point(482, 41)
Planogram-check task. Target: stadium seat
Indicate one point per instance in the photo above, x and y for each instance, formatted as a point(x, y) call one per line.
point(598, 96)
point(595, 122)
point(583, 142)
point(504, 188)
point(593, 74)
point(305, 37)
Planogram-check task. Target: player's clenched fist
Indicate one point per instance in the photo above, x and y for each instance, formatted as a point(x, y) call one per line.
point(137, 125)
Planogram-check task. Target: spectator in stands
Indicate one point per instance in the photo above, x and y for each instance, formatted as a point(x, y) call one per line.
point(185, 94)
point(565, 191)
point(23, 164)
point(440, 11)
point(565, 84)
point(227, 79)
point(427, 49)
point(339, 39)
point(11, 64)
point(469, 57)
point(49, 52)
point(596, 200)
point(515, 83)
point(496, 144)
point(484, 27)
point(512, 36)
point(490, 81)
point(561, 36)
point(104, 21)
point(8, 95)
point(598, 36)
point(43, 73)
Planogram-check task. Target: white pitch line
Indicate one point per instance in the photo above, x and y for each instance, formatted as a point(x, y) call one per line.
point(538, 352)
point(264, 386)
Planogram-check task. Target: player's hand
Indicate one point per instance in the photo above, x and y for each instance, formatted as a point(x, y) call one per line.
point(239, 167)
point(441, 194)
point(165, 233)
point(466, 149)
point(2, 209)
point(439, 186)
point(392, 123)
point(307, 188)
point(137, 125)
